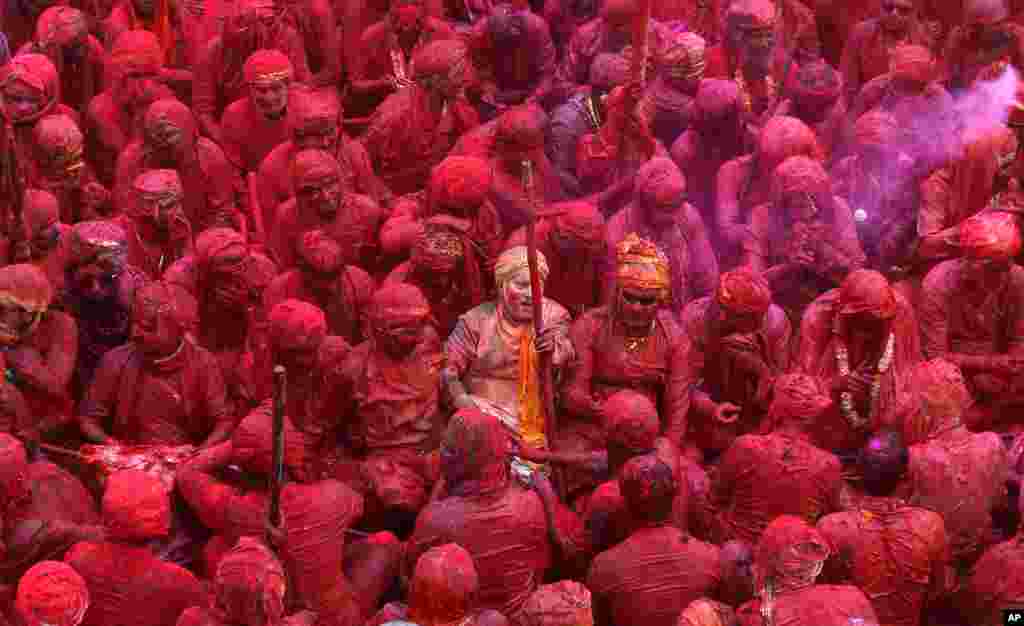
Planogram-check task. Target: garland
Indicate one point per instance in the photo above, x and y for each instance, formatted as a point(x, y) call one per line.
point(846, 398)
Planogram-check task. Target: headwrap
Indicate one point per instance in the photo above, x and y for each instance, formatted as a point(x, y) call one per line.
point(800, 174)
point(444, 585)
point(685, 57)
point(480, 445)
point(136, 506)
point(250, 576)
point(398, 302)
point(52, 593)
point(608, 71)
point(14, 484)
point(97, 241)
point(315, 111)
point(753, 14)
point(170, 301)
point(565, 603)
point(634, 423)
point(660, 183)
point(867, 291)
point(169, 112)
point(649, 487)
point(60, 26)
point(320, 252)
point(313, 165)
point(790, 553)
point(60, 144)
point(717, 100)
point(160, 186)
point(581, 220)
point(268, 66)
point(294, 324)
point(797, 398)
point(460, 183)
point(38, 73)
point(704, 612)
point(513, 261)
point(878, 130)
point(25, 286)
point(137, 50)
point(641, 265)
point(940, 395)
point(783, 137)
point(744, 291)
point(912, 64)
point(215, 243)
point(521, 127)
point(440, 249)
point(990, 236)
point(816, 86)
point(443, 66)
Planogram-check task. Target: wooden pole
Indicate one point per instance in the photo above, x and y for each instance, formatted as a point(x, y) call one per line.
point(277, 471)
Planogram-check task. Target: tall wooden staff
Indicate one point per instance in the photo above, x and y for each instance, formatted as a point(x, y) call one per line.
point(641, 27)
point(537, 297)
point(277, 471)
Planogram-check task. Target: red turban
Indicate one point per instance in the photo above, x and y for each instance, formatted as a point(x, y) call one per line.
point(460, 183)
point(249, 579)
point(783, 137)
point(97, 240)
point(660, 183)
point(170, 301)
point(26, 286)
point(816, 85)
point(990, 236)
point(867, 291)
point(913, 64)
point(444, 584)
point(267, 66)
point(296, 324)
point(313, 166)
point(797, 175)
point(608, 71)
point(565, 603)
point(173, 113)
point(136, 506)
point(61, 26)
point(877, 129)
point(649, 487)
point(137, 50)
point(754, 13)
point(216, 243)
point(443, 65)
point(398, 302)
point(441, 248)
point(52, 593)
point(60, 143)
point(13, 470)
point(581, 220)
point(481, 446)
point(942, 396)
point(633, 423)
point(640, 264)
point(797, 398)
point(790, 551)
point(523, 127)
point(315, 110)
point(160, 186)
point(37, 72)
point(717, 99)
point(252, 444)
point(744, 291)
point(320, 252)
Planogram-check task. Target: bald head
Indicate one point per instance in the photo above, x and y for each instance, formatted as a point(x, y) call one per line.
point(883, 462)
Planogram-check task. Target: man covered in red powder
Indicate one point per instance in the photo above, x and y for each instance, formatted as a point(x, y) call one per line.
point(43, 240)
point(746, 182)
point(388, 394)
point(659, 569)
point(160, 388)
point(114, 117)
point(788, 559)
point(970, 314)
point(633, 343)
point(814, 96)
point(315, 121)
point(669, 99)
point(323, 201)
point(896, 553)
point(957, 473)
point(60, 167)
point(741, 343)
point(159, 234)
point(983, 45)
point(171, 141)
point(572, 239)
point(52, 592)
point(512, 532)
point(717, 135)
point(40, 347)
point(255, 124)
point(322, 278)
point(30, 90)
point(62, 34)
point(780, 473)
point(996, 582)
point(660, 213)
point(860, 340)
point(804, 242)
point(384, 62)
point(414, 128)
point(868, 50)
point(219, 77)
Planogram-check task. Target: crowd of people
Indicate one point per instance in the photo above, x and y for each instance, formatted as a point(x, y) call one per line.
point(511, 312)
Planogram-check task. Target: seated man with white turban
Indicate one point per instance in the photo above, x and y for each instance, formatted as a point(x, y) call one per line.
point(492, 353)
